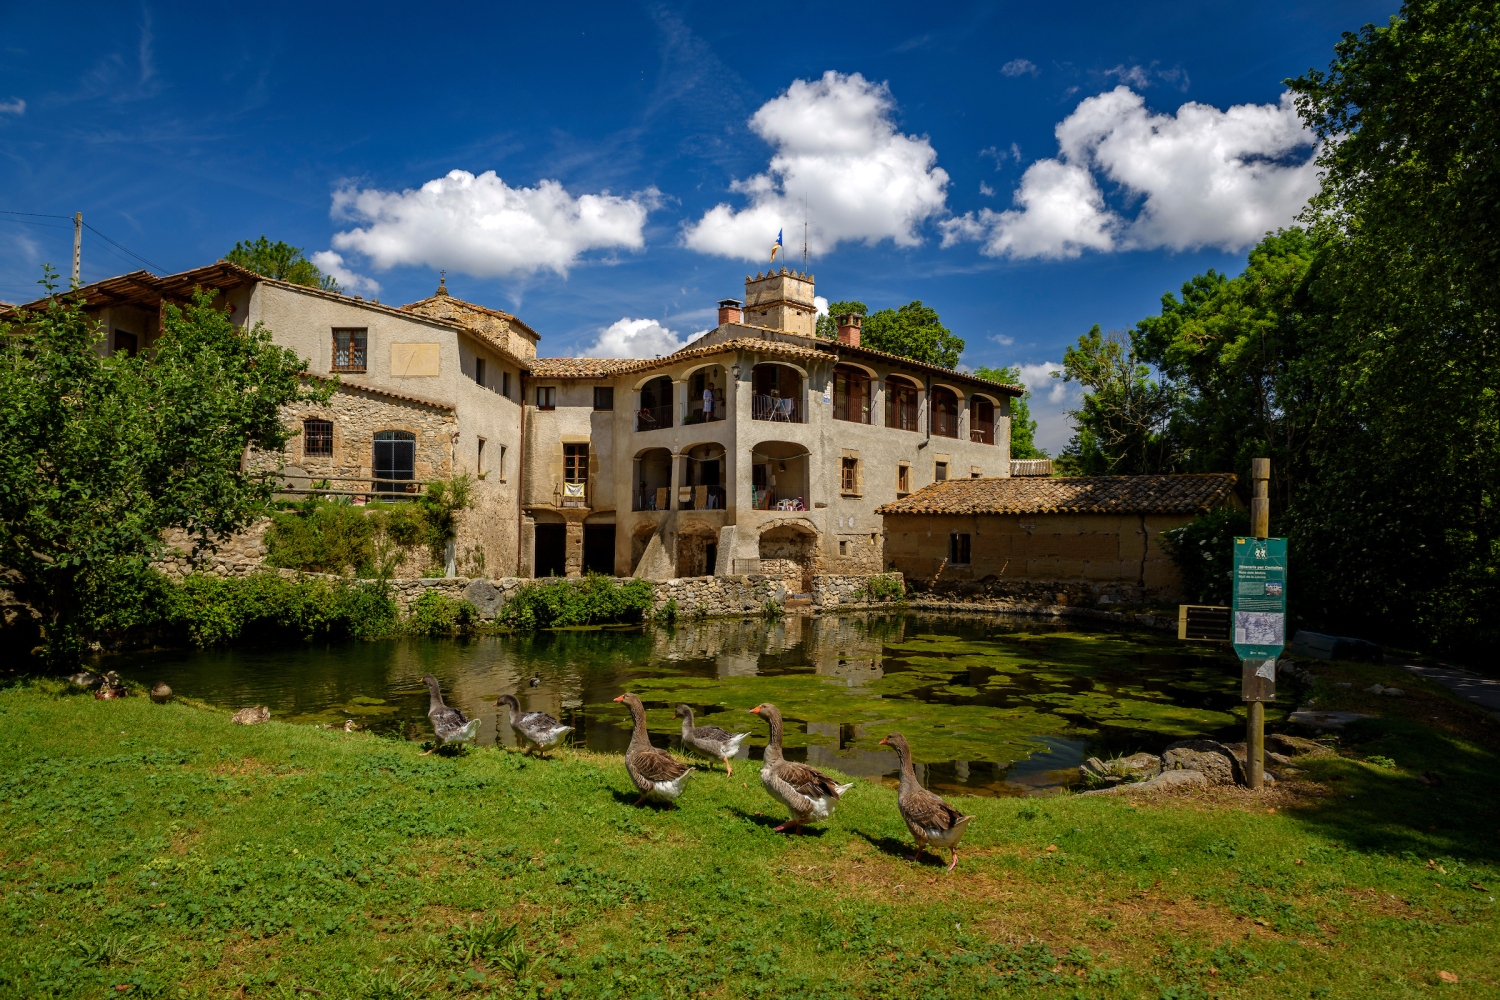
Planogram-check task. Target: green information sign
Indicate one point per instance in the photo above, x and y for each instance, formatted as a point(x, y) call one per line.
point(1259, 625)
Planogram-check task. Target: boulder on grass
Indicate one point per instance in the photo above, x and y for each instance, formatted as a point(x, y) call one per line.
point(1165, 781)
point(1296, 746)
point(1212, 759)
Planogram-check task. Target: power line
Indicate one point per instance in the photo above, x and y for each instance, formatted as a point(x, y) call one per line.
point(132, 254)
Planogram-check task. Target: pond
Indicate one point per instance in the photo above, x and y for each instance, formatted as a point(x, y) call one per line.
point(992, 705)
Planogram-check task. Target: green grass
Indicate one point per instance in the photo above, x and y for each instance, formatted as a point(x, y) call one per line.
point(163, 849)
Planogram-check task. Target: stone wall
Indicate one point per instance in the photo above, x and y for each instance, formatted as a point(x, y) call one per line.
point(239, 554)
point(831, 591)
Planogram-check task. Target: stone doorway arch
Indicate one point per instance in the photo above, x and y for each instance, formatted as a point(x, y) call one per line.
point(789, 552)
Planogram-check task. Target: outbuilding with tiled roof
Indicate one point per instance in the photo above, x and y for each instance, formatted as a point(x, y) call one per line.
point(1095, 539)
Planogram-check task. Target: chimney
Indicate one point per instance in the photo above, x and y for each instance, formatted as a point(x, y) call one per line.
point(849, 324)
point(729, 311)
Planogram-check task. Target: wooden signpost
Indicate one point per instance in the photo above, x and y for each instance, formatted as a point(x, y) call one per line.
point(1259, 617)
point(1255, 621)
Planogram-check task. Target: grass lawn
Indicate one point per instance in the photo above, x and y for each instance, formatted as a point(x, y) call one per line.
point(151, 850)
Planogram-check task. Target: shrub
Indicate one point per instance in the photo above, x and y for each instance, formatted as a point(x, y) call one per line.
point(323, 536)
point(213, 610)
point(435, 613)
point(561, 603)
point(881, 588)
point(1203, 550)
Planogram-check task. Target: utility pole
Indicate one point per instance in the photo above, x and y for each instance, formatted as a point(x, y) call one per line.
point(77, 245)
point(1255, 717)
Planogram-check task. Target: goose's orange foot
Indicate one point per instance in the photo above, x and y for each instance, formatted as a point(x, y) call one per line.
point(954, 863)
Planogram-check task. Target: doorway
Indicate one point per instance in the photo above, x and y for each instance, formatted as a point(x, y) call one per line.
point(551, 550)
point(599, 549)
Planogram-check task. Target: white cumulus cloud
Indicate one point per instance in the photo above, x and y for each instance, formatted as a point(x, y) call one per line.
point(332, 264)
point(1200, 178)
point(483, 227)
point(14, 106)
point(634, 338)
point(836, 146)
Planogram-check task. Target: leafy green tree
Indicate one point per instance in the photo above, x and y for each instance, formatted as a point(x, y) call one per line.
point(1123, 422)
point(281, 261)
point(828, 326)
point(1404, 514)
point(1022, 426)
point(1237, 348)
point(99, 455)
point(913, 331)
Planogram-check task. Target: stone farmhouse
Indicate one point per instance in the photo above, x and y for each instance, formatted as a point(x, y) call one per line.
point(758, 448)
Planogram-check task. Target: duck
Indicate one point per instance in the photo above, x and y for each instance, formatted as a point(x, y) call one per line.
point(710, 740)
point(449, 725)
point(86, 679)
point(161, 693)
point(808, 793)
point(251, 716)
point(655, 772)
point(111, 686)
point(928, 817)
point(536, 680)
point(536, 729)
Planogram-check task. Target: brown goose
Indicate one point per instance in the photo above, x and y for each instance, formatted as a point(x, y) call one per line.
point(710, 740)
point(808, 793)
point(111, 687)
point(449, 725)
point(655, 772)
point(929, 818)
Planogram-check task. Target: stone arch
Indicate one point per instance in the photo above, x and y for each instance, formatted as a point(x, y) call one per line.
point(697, 548)
point(789, 551)
point(780, 471)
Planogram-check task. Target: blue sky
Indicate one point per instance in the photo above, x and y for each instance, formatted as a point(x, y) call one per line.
point(1028, 170)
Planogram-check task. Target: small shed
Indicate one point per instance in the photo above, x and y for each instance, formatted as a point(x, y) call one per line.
point(1094, 539)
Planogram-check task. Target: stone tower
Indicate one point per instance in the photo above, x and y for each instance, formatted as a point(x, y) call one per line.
point(782, 300)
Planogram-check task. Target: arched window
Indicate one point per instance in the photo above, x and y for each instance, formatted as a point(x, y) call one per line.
point(851, 394)
point(981, 420)
point(776, 394)
point(944, 413)
point(656, 405)
point(395, 461)
point(900, 403)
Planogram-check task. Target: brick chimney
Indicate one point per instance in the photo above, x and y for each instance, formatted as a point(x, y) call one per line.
point(849, 324)
point(729, 311)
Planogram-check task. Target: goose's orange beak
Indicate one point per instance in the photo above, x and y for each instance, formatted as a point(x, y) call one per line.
point(755, 710)
point(885, 742)
point(621, 698)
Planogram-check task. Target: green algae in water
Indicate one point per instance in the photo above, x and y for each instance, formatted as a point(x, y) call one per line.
point(986, 696)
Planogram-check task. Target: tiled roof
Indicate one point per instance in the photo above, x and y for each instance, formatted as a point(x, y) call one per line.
point(1070, 495)
point(949, 373)
point(610, 367)
point(344, 383)
point(471, 307)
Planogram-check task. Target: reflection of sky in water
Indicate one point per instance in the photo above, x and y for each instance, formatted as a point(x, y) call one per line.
point(990, 705)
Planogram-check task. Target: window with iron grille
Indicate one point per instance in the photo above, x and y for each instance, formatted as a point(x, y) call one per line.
point(546, 397)
point(849, 475)
point(394, 461)
point(604, 397)
point(317, 437)
point(940, 472)
point(349, 350)
point(958, 549)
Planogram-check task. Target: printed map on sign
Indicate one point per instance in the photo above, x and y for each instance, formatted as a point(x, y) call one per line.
point(1260, 628)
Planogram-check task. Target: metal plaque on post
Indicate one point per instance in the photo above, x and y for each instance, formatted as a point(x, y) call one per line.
point(1259, 618)
point(1203, 622)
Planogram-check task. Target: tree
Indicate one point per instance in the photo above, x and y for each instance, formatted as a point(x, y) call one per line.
point(912, 331)
point(98, 456)
point(1404, 513)
point(281, 261)
point(1123, 421)
point(1022, 427)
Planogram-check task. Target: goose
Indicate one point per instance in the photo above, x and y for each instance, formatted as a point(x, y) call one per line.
point(111, 687)
point(655, 772)
point(808, 793)
point(161, 693)
point(929, 818)
point(86, 679)
point(534, 728)
point(448, 724)
point(251, 716)
point(710, 740)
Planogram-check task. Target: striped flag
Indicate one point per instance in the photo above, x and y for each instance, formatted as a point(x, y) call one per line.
point(776, 246)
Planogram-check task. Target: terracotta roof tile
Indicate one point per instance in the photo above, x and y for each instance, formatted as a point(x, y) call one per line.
point(1189, 494)
point(855, 352)
point(344, 383)
point(610, 367)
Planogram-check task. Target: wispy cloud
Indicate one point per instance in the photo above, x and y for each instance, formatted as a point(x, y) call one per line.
point(1020, 67)
point(14, 106)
